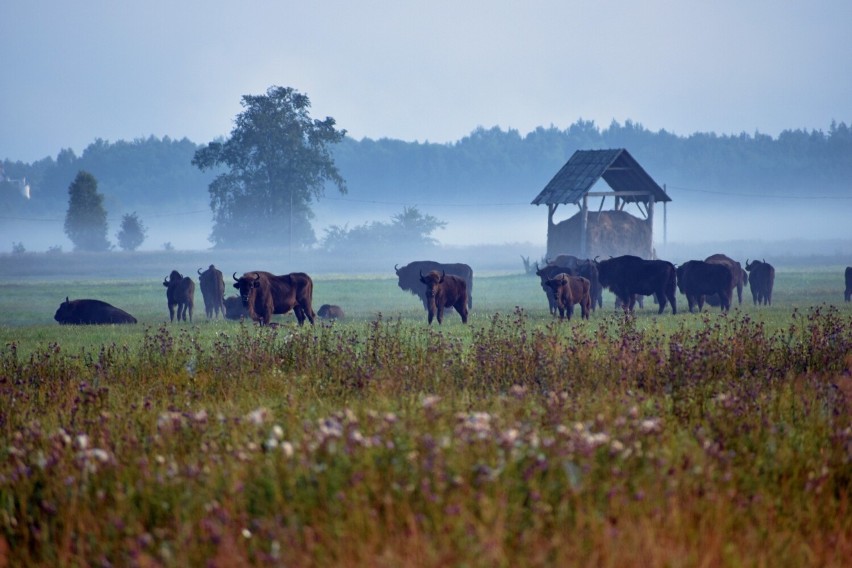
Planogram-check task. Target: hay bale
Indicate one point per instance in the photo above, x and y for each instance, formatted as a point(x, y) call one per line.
point(609, 233)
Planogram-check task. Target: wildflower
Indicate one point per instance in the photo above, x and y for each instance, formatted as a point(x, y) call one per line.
point(258, 416)
point(277, 432)
point(430, 401)
point(649, 425)
point(287, 448)
point(246, 534)
point(82, 441)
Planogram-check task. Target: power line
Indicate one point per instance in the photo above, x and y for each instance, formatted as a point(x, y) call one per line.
point(427, 204)
point(758, 195)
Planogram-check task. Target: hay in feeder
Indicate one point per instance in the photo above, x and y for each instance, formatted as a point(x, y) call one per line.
point(609, 233)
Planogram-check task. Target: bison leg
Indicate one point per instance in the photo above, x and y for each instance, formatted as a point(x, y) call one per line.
point(171, 312)
point(461, 308)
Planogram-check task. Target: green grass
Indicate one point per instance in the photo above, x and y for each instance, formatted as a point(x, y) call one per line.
point(516, 440)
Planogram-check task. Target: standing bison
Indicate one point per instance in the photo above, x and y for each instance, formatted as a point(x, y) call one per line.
point(847, 294)
point(698, 278)
point(330, 312)
point(443, 291)
point(409, 277)
point(740, 277)
point(569, 290)
point(180, 294)
point(761, 279)
point(585, 268)
point(265, 294)
point(213, 291)
point(626, 276)
point(90, 312)
point(546, 274)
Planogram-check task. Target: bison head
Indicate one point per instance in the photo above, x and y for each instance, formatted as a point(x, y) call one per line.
point(63, 313)
point(557, 281)
point(433, 282)
point(247, 284)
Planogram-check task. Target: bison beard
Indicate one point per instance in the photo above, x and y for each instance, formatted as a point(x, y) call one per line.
point(90, 312)
point(697, 279)
point(265, 294)
point(629, 275)
point(569, 290)
point(444, 291)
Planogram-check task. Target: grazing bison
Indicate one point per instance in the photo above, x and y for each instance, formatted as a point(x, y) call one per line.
point(443, 291)
point(761, 279)
point(847, 295)
point(90, 312)
point(698, 278)
point(740, 277)
point(409, 277)
point(265, 294)
point(331, 312)
point(585, 268)
point(180, 293)
point(234, 308)
point(213, 291)
point(569, 290)
point(626, 276)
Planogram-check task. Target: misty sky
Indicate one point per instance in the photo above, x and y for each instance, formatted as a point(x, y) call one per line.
point(76, 71)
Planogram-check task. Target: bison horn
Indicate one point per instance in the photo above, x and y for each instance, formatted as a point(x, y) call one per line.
point(396, 268)
point(746, 263)
point(235, 277)
point(421, 275)
point(199, 272)
point(66, 299)
point(256, 276)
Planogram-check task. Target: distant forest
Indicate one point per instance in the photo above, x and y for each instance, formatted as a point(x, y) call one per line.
point(154, 176)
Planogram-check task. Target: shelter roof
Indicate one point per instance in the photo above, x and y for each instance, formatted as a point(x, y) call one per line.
point(618, 169)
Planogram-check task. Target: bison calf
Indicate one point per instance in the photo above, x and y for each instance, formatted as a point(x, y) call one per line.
point(443, 291)
point(330, 312)
point(570, 290)
point(234, 308)
point(90, 312)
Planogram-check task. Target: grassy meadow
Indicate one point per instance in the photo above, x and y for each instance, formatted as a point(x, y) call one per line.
point(517, 440)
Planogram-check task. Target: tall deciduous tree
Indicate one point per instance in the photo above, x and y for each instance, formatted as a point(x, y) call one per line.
point(278, 162)
point(132, 233)
point(86, 219)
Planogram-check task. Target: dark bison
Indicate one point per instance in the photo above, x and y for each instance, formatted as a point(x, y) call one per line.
point(90, 312)
point(847, 294)
point(698, 278)
point(545, 274)
point(585, 268)
point(180, 294)
point(234, 308)
point(443, 291)
point(570, 290)
point(213, 291)
point(761, 279)
point(626, 276)
point(330, 311)
point(740, 277)
point(265, 294)
point(409, 277)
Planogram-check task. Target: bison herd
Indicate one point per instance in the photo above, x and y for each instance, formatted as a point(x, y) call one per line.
point(566, 280)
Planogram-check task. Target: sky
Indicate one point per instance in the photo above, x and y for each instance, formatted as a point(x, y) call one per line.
point(432, 71)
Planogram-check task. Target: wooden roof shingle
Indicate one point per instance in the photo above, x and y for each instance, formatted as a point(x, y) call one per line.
point(617, 167)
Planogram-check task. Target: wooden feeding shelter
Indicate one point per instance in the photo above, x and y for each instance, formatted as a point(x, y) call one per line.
point(603, 233)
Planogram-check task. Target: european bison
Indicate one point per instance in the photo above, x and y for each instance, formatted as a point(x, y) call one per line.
point(740, 277)
point(546, 274)
point(761, 279)
point(330, 311)
point(90, 312)
point(180, 294)
point(626, 276)
point(234, 308)
point(213, 291)
point(409, 277)
point(698, 278)
point(569, 290)
point(443, 291)
point(265, 294)
point(585, 268)
point(847, 295)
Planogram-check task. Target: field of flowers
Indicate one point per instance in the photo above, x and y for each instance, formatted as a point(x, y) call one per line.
point(696, 439)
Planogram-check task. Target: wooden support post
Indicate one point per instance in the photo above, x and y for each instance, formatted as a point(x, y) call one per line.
point(584, 228)
point(651, 225)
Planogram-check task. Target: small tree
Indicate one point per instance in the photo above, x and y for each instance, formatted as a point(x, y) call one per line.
point(132, 233)
point(85, 221)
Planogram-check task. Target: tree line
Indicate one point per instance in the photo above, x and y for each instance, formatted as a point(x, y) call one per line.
point(278, 162)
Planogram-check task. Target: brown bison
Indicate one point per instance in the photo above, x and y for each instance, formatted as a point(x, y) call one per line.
point(234, 308)
point(847, 294)
point(740, 277)
point(265, 294)
point(330, 312)
point(443, 291)
point(570, 290)
point(585, 268)
point(213, 291)
point(761, 279)
point(180, 294)
point(628, 275)
point(697, 278)
point(545, 274)
point(90, 312)
point(409, 277)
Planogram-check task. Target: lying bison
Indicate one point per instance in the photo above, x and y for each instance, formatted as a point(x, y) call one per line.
point(697, 279)
point(330, 312)
point(234, 308)
point(90, 312)
point(180, 294)
point(443, 291)
point(761, 279)
point(570, 290)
